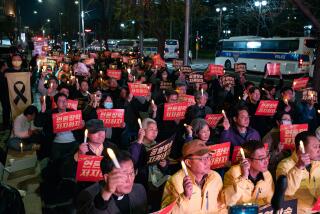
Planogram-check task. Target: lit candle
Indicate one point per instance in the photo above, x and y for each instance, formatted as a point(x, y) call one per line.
point(185, 125)
point(129, 70)
point(85, 136)
point(184, 167)
point(68, 82)
point(286, 101)
point(140, 124)
point(224, 114)
point(302, 147)
point(101, 73)
point(51, 84)
point(239, 98)
point(21, 147)
point(44, 99)
point(201, 91)
point(152, 102)
point(134, 78)
point(242, 153)
point(113, 158)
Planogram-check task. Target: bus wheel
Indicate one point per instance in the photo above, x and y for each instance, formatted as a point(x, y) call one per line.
point(227, 64)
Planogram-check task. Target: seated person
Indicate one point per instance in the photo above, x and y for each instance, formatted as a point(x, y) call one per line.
point(303, 172)
point(11, 201)
point(249, 182)
point(24, 131)
point(198, 191)
point(117, 193)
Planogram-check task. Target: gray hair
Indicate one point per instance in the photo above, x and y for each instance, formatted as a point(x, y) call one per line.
point(198, 124)
point(147, 121)
point(198, 94)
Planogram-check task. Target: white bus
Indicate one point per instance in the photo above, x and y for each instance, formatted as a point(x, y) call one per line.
point(295, 54)
point(171, 49)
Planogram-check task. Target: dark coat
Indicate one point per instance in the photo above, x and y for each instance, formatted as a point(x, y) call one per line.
point(86, 201)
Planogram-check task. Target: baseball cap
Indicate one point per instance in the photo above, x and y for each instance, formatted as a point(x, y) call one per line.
point(95, 125)
point(194, 147)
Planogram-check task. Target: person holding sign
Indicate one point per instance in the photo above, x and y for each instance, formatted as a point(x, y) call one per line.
point(198, 110)
point(302, 171)
point(82, 94)
point(63, 143)
point(249, 182)
point(198, 190)
point(151, 176)
point(117, 193)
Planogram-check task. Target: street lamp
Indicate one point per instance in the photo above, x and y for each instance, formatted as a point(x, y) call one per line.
point(76, 2)
point(35, 12)
point(260, 4)
point(220, 10)
point(122, 25)
point(48, 20)
point(40, 1)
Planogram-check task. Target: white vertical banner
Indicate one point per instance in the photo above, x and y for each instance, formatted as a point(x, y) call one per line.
point(19, 92)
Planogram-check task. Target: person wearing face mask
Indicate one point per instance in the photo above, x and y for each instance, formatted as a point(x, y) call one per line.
point(272, 139)
point(16, 64)
point(199, 129)
point(302, 170)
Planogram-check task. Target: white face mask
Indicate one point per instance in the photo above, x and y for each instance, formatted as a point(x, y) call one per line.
point(286, 122)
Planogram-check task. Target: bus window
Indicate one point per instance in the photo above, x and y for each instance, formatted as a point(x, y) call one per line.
point(228, 46)
point(239, 46)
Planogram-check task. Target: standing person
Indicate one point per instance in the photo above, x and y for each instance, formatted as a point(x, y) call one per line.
point(249, 182)
point(303, 172)
point(199, 190)
point(117, 193)
point(4, 97)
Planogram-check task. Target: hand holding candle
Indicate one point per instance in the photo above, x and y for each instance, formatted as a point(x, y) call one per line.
point(85, 136)
point(21, 147)
point(140, 124)
point(242, 154)
point(184, 167)
point(113, 158)
point(302, 147)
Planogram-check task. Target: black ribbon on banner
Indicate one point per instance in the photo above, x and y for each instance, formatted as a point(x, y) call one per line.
point(19, 93)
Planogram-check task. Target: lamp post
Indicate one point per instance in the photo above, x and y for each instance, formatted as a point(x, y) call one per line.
point(60, 14)
point(220, 11)
point(259, 4)
point(79, 19)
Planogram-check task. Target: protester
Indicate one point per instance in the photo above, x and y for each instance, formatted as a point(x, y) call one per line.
point(25, 134)
point(198, 110)
point(199, 190)
point(117, 193)
point(239, 132)
point(249, 182)
point(302, 171)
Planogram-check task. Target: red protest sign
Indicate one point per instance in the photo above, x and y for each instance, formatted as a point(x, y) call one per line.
point(160, 151)
point(267, 107)
point(195, 77)
point(116, 74)
point(273, 69)
point(168, 209)
point(137, 89)
point(72, 104)
point(111, 117)
point(300, 83)
point(187, 98)
point(316, 206)
point(125, 59)
point(217, 70)
point(236, 156)
point(158, 61)
point(220, 155)
point(88, 168)
point(289, 132)
point(174, 111)
point(67, 121)
point(213, 119)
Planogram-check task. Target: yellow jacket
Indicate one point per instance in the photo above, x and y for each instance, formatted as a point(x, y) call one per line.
point(239, 191)
point(302, 185)
point(205, 200)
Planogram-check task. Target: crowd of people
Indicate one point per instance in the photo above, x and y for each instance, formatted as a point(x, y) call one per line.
point(138, 186)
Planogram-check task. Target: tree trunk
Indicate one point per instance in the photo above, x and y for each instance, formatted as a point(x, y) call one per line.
point(316, 24)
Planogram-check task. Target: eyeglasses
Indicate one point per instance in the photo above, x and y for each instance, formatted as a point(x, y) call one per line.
point(261, 159)
point(207, 158)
